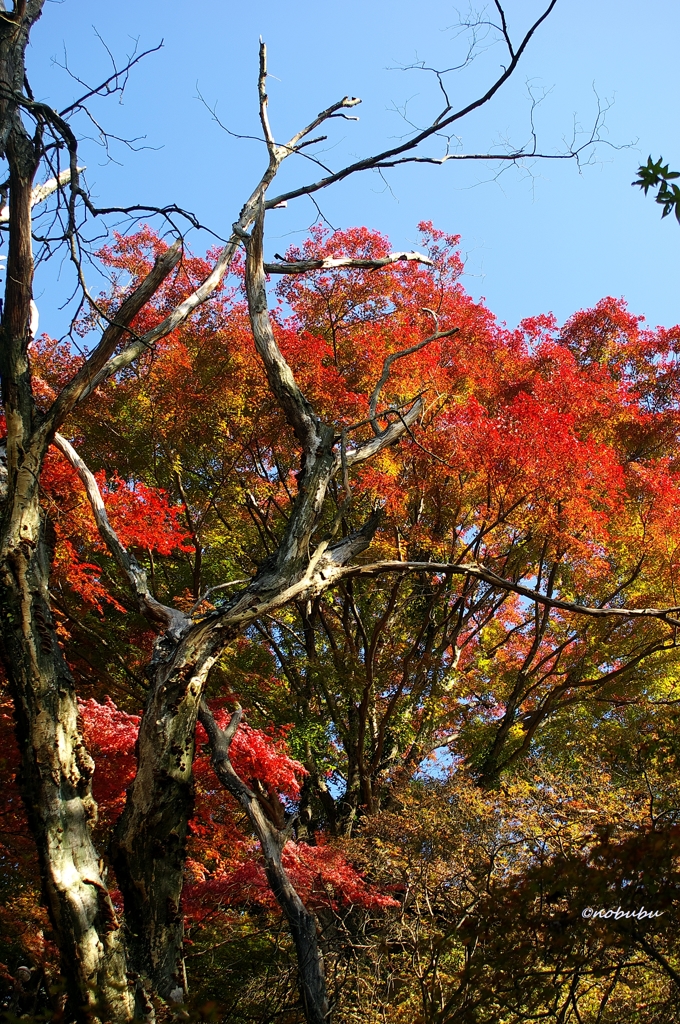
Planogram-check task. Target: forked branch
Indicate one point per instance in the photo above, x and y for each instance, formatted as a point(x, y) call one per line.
point(94, 368)
point(302, 922)
point(387, 364)
point(397, 154)
point(277, 153)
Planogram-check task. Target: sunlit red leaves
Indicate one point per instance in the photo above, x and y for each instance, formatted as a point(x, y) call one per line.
point(141, 515)
point(602, 334)
point(224, 865)
point(256, 755)
point(130, 258)
point(344, 324)
point(538, 444)
point(539, 420)
point(527, 419)
point(110, 735)
point(531, 454)
point(531, 428)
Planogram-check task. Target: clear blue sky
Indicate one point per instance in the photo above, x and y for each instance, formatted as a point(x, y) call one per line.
point(549, 239)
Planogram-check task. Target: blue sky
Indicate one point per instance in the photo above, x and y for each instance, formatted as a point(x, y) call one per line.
point(546, 238)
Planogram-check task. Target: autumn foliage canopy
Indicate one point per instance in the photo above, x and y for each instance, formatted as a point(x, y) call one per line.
point(462, 769)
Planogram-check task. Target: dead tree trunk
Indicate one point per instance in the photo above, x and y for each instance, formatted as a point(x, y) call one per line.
point(149, 848)
point(150, 842)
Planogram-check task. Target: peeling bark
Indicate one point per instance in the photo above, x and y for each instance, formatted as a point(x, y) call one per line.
point(56, 777)
point(149, 848)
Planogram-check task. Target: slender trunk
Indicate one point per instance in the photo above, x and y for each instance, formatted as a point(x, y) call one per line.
point(302, 922)
point(489, 770)
point(349, 803)
point(149, 848)
point(304, 928)
point(56, 774)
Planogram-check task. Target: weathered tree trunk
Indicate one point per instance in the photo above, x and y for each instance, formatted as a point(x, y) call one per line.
point(56, 774)
point(149, 848)
point(56, 770)
point(150, 843)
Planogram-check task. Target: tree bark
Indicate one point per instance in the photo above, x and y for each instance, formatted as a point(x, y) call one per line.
point(56, 775)
point(149, 847)
point(150, 843)
point(303, 927)
point(56, 770)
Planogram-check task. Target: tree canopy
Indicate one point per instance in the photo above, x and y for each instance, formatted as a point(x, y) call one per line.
point(457, 770)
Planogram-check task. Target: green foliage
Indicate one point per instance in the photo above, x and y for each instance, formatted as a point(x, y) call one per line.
point(655, 174)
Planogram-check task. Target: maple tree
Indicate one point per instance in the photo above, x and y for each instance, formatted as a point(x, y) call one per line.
point(374, 518)
point(374, 682)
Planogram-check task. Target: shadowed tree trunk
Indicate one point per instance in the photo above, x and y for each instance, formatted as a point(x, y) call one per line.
point(56, 774)
point(56, 770)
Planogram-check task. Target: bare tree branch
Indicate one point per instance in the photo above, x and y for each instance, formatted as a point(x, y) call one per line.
point(277, 152)
point(92, 371)
point(110, 84)
point(201, 294)
point(302, 922)
point(345, 262)
point(388, 156)
point(668, 615)
point(297, 409)
point(389, 360)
